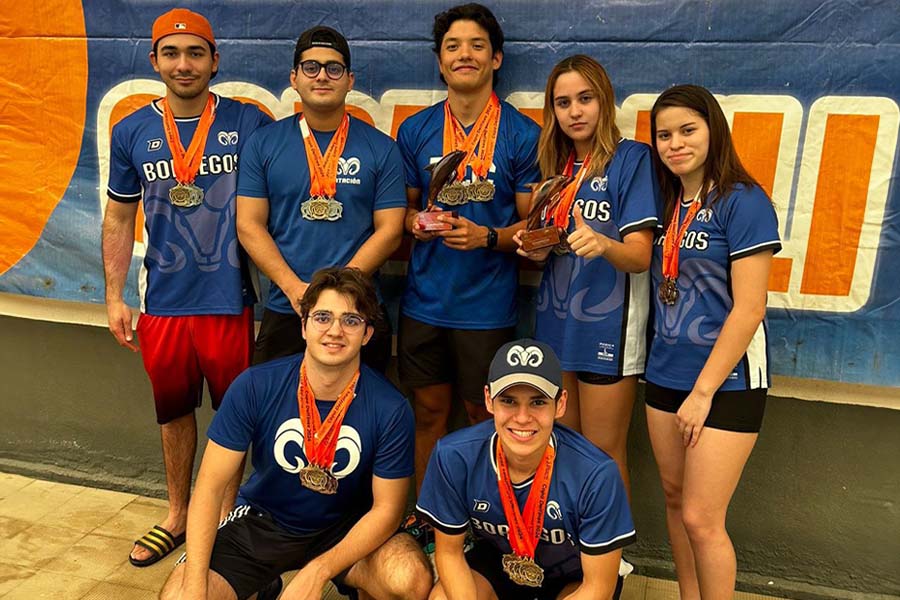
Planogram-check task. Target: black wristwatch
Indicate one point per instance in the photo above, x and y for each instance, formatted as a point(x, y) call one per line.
point(492, 237)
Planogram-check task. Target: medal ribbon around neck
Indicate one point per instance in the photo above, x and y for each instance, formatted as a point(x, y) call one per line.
point(525, 527)
point(320, 439)
point(567, 195)
point(323, 170)
point(186, 163)
point(674, 235)
point(483, 136)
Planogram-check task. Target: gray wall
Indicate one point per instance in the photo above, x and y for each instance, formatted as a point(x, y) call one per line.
point(817, 513)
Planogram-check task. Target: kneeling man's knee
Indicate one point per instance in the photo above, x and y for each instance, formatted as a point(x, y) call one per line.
point(406, 572)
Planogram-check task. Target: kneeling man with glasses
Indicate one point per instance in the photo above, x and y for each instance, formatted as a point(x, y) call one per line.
point(333, 445)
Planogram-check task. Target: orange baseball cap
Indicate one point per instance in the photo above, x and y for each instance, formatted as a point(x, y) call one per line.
point(182, 20)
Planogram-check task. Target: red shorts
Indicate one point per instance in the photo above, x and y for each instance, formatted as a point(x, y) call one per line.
point(180, 352)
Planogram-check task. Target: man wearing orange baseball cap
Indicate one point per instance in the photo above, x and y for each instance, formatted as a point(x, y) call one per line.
point(178, 156)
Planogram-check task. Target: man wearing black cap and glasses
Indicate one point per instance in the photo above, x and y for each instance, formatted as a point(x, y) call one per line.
point(318, 189)
point(548, 509)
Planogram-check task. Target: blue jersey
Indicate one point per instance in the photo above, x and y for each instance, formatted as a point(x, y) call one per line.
point(593, 316)
point(473, 289)
point(587, 508)
point(192, 264)
point(370, 178)
point(260, 408)
point(741, 224)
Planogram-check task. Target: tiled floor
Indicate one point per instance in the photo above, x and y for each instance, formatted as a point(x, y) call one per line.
point(66, 542)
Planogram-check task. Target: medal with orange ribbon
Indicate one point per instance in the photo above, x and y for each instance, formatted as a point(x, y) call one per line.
point(186, 163)
point(524, 527)
point(668, 289)
point(479, 147)
point(322, 204)
point(320, 438)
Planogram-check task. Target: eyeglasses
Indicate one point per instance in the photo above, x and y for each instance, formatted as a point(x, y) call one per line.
point(350, 322)
point(311, 68)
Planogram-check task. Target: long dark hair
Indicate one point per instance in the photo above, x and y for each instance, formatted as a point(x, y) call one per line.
point(722, 170)
point(554, 145)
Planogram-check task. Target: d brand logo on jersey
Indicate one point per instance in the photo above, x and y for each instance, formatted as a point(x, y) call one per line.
point(154, 145)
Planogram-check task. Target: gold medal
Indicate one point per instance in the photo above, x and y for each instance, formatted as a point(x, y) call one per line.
point(322, 208)
point(523, 570)
point(185, 195)
point(482, 191)
point(453, 194)
point(317, 479)
point(668, 291)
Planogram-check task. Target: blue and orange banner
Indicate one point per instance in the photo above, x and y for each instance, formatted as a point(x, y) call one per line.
point(811, 96)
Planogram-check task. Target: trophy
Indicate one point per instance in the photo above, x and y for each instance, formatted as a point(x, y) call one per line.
point(544, 196)
point(443, 176)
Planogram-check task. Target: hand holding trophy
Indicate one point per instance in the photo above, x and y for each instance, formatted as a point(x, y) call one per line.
point(544, 197)
point(443, 174)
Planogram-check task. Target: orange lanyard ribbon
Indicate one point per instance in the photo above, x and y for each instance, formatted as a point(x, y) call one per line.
point(525, 527)
point(186, 163)
point(323, 170)
point(674, 235)
point(567, 195)
point(320, 439)
point(483, 136)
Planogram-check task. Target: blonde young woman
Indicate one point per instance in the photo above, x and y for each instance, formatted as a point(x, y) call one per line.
point(707, 369)
point(592, 304)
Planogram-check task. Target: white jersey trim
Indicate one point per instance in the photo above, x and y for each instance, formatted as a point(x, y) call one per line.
point(757, 367)
point(634, 328)
point(636, 224)
point(436, 520)
point(751, 249)
point(112, 192)
point(608, 542)
point(142, 274)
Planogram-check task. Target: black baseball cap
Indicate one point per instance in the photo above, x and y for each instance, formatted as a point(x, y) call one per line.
point(527, 362)
point(321, 36)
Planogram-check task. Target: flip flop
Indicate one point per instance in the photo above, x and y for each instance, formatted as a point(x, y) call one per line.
point(158, 541)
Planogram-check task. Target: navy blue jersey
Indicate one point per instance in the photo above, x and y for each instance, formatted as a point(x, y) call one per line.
point(260, 408)
point(593, 316)
point(741, 224)
point(473, 289)
point(370, 178)
point(587, 508)
point(192, 263)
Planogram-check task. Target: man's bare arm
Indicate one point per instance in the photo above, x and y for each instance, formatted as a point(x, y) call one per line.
point(118, 246)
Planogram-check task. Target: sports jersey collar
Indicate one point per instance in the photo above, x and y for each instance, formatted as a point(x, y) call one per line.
point(495, 440)
point(184, 119)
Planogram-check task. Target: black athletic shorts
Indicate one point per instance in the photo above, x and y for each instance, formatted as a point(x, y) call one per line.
point(251, 550)
point(430, 355)
point(597, 378)
point(740, 411)
point(281, 335)
point(486, 560)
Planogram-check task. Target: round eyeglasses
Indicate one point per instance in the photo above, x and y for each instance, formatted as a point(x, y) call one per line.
point(333, 70)
point(350, 322)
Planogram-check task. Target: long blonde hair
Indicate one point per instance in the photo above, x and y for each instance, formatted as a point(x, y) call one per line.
point(555, 146)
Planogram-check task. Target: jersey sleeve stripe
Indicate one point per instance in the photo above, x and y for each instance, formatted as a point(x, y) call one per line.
point(648, 223)
point(613, 544)
point(438, 524)
point(771, 245)
point(122, 197)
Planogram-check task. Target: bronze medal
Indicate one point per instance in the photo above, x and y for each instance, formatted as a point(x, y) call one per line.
point(185, 195)
point(482, 191)
point(668, 291)
point(523, 570)
point(319, 480)
point(453, 194)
